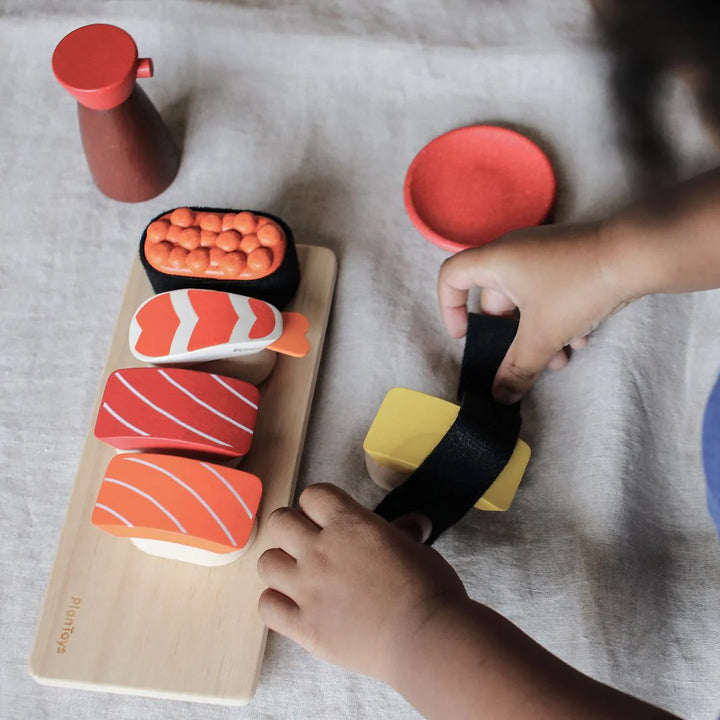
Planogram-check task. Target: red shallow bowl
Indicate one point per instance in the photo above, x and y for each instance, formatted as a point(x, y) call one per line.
point(474, 184)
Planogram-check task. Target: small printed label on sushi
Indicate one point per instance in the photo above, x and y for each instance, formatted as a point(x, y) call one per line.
point(68, 627)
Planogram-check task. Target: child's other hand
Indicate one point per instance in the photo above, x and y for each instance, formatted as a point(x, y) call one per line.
point(362, 593)
point(348, 586)
point(563, 281)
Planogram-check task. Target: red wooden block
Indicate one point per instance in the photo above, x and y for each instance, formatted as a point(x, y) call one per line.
point(153, 408)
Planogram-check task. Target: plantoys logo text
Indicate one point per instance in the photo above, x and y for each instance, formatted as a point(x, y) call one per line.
point(69, 624)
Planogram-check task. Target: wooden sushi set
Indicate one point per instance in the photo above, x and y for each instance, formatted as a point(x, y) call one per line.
point(213, 363)
point(200, 422)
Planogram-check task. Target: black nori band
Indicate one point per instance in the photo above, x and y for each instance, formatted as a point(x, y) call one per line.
point(278, 288)
point(468, 459)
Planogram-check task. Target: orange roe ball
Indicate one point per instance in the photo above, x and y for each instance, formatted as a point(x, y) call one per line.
point(207, 238)
point(157, 254)
point(245, 222)
point(228, 221)
point(262, 220)
point(198, 260)
point(211, 221)
point(259, 261)
point(249, 243)
point(182, 216)
point(228, 240)
point(190, 238)
point(269, 235)
point(233, 264)
point(157, 230)
point(176, 259)
point(174, 234)
point(216, 256)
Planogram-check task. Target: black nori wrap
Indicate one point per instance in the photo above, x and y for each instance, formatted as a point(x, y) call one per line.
point(480, 443)
point(277, 288)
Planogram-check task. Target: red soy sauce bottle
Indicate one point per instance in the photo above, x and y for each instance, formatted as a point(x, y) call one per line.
point(129, 150)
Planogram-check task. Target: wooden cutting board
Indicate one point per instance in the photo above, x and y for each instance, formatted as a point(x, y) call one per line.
point(116, 619)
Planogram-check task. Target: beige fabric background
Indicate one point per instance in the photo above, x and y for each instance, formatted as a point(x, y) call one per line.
point(313, 110)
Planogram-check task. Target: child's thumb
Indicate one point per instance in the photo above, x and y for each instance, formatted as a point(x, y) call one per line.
point(525, 359)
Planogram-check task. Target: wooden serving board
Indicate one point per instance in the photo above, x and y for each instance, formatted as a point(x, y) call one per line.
point(119, 620)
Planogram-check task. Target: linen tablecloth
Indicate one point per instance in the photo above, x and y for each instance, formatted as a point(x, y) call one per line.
point(313, 111)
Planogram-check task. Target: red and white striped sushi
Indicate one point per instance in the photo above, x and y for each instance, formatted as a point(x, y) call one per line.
point(179, 508)
point(153, 408)
point(193, 325)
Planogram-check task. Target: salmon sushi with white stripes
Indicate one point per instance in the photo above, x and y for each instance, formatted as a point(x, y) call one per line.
point(179, 508)
point(177, 410)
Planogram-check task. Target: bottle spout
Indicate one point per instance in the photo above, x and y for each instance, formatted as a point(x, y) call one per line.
point(145, 68)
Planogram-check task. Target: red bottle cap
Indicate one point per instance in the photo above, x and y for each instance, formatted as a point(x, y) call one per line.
point(98, 65)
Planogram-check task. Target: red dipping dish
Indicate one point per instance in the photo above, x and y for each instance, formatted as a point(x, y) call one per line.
point(474, 184)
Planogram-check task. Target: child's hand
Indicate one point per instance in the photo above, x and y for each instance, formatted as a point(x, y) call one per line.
point(348, 586)
point(364, 594)
point(562, 279)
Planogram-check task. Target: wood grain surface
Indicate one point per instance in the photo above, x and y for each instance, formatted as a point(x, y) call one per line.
point(116, 619)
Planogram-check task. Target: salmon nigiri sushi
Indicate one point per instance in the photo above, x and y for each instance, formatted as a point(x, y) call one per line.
point(170, 409)
point(179, 508)
point(190, 325)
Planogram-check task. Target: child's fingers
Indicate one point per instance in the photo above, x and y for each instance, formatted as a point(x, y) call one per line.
point(580, 343)
point(278, 570)
point(526, 358)
point(455, 319)
point(280, 613)
point(417, 526)
point(291, 530)
point(457, 276)
point(494, 302)
point(558, 361)
point(323, 502)
point(452, 299)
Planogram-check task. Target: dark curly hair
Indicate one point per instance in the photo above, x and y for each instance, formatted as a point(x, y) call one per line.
point(650, 38)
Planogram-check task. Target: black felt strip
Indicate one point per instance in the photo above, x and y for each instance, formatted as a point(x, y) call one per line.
point(486, 344)
point(478, 445)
